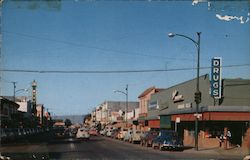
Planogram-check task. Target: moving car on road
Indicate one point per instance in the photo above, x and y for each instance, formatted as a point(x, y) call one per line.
point(82, 133)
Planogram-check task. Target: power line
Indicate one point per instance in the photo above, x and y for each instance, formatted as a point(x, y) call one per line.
point(103, 49)
point(112, 71)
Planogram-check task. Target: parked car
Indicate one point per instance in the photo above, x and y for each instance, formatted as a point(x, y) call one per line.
point(114, 133)
point(3, 135)
point(122, 133)
point(247, 157)
point(59, 132)
point(148, 138)
point(135, 137)
point(109, 131)
point(167, 140)
point(82, 133)
point(10, 134)
point(21, 132)
point(128, 135)
point(103, 132)
point(93, 132)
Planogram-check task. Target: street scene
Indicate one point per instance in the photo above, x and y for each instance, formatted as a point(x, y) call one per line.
point(124, 80)
point(99, 147)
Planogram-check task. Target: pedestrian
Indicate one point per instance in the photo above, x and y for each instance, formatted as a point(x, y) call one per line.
point(247, 138)
point(221, 139)
point(229, 138)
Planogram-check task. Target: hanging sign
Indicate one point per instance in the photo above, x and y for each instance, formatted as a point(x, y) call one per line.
point(216, 77)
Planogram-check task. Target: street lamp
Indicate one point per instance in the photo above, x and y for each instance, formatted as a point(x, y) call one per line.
point(197, 93)
point(126, 94)
point(25, 90)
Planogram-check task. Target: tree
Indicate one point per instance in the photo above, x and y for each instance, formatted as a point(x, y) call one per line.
point(67, 122)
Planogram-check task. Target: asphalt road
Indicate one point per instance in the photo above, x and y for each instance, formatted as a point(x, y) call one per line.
point(95, 148)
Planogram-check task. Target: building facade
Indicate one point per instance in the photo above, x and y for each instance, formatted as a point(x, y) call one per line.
point(40, 112)
point(176, 108)
point(8, 109)
point(110, 112)
point(25, 105)
point(144, 102)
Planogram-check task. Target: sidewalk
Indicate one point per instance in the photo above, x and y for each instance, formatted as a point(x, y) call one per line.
point(235, 151)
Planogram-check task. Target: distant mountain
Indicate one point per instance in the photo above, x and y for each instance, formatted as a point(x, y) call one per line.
point(74, 118)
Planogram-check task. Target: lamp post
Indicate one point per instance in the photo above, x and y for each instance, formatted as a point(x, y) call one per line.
point(19, 91)
point(197, 93)
point(126, 94)
point(14, 90)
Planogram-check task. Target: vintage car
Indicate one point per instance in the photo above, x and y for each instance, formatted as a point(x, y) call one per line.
point(93, 132)
point(135, 136)
point(82, 133)
point(148, 138)
point(122, 133)
point(167, 139)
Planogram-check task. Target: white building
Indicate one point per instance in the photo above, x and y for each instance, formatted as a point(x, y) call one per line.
point(25, 105)
point(134, 114)
point(115, 111)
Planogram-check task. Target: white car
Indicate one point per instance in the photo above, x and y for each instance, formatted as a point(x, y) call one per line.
point(82, 133)
point(122, 133)
point(135, 137)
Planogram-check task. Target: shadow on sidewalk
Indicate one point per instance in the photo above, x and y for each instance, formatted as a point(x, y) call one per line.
point(200, 149)
point(187, 148)
point(206, 149)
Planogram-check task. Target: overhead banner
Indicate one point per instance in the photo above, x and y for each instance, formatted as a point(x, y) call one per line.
point(216, 77)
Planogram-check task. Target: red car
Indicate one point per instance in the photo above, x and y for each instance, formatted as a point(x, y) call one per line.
point(93, 132)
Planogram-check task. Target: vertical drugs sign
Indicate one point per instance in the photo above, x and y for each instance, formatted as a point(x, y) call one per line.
point(216, 77)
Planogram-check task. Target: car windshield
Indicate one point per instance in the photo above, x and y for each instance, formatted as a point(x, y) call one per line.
point(110, 79)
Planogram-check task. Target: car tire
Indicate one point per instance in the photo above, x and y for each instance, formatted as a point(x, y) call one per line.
point(153, 146)
point(160, 148)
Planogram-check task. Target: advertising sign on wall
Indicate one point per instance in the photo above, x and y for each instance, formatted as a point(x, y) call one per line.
point(216, 77)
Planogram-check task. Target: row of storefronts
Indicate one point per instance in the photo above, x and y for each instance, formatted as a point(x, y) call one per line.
point(174, 108)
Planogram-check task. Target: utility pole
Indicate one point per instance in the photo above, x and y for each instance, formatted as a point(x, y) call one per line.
point(14, 91)
point(126, 94)
point(197, 95)
point(126, 104)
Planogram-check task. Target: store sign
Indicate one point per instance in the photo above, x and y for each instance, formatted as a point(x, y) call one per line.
point(178, 120)
point(183, 106)
point(216, 78)
point(153, 105)
point(176, 97)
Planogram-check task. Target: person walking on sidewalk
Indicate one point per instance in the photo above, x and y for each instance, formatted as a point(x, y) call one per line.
point(229, 138)
point(222, 138)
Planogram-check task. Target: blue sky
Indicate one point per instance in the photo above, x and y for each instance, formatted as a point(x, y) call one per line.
point(101, 36)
